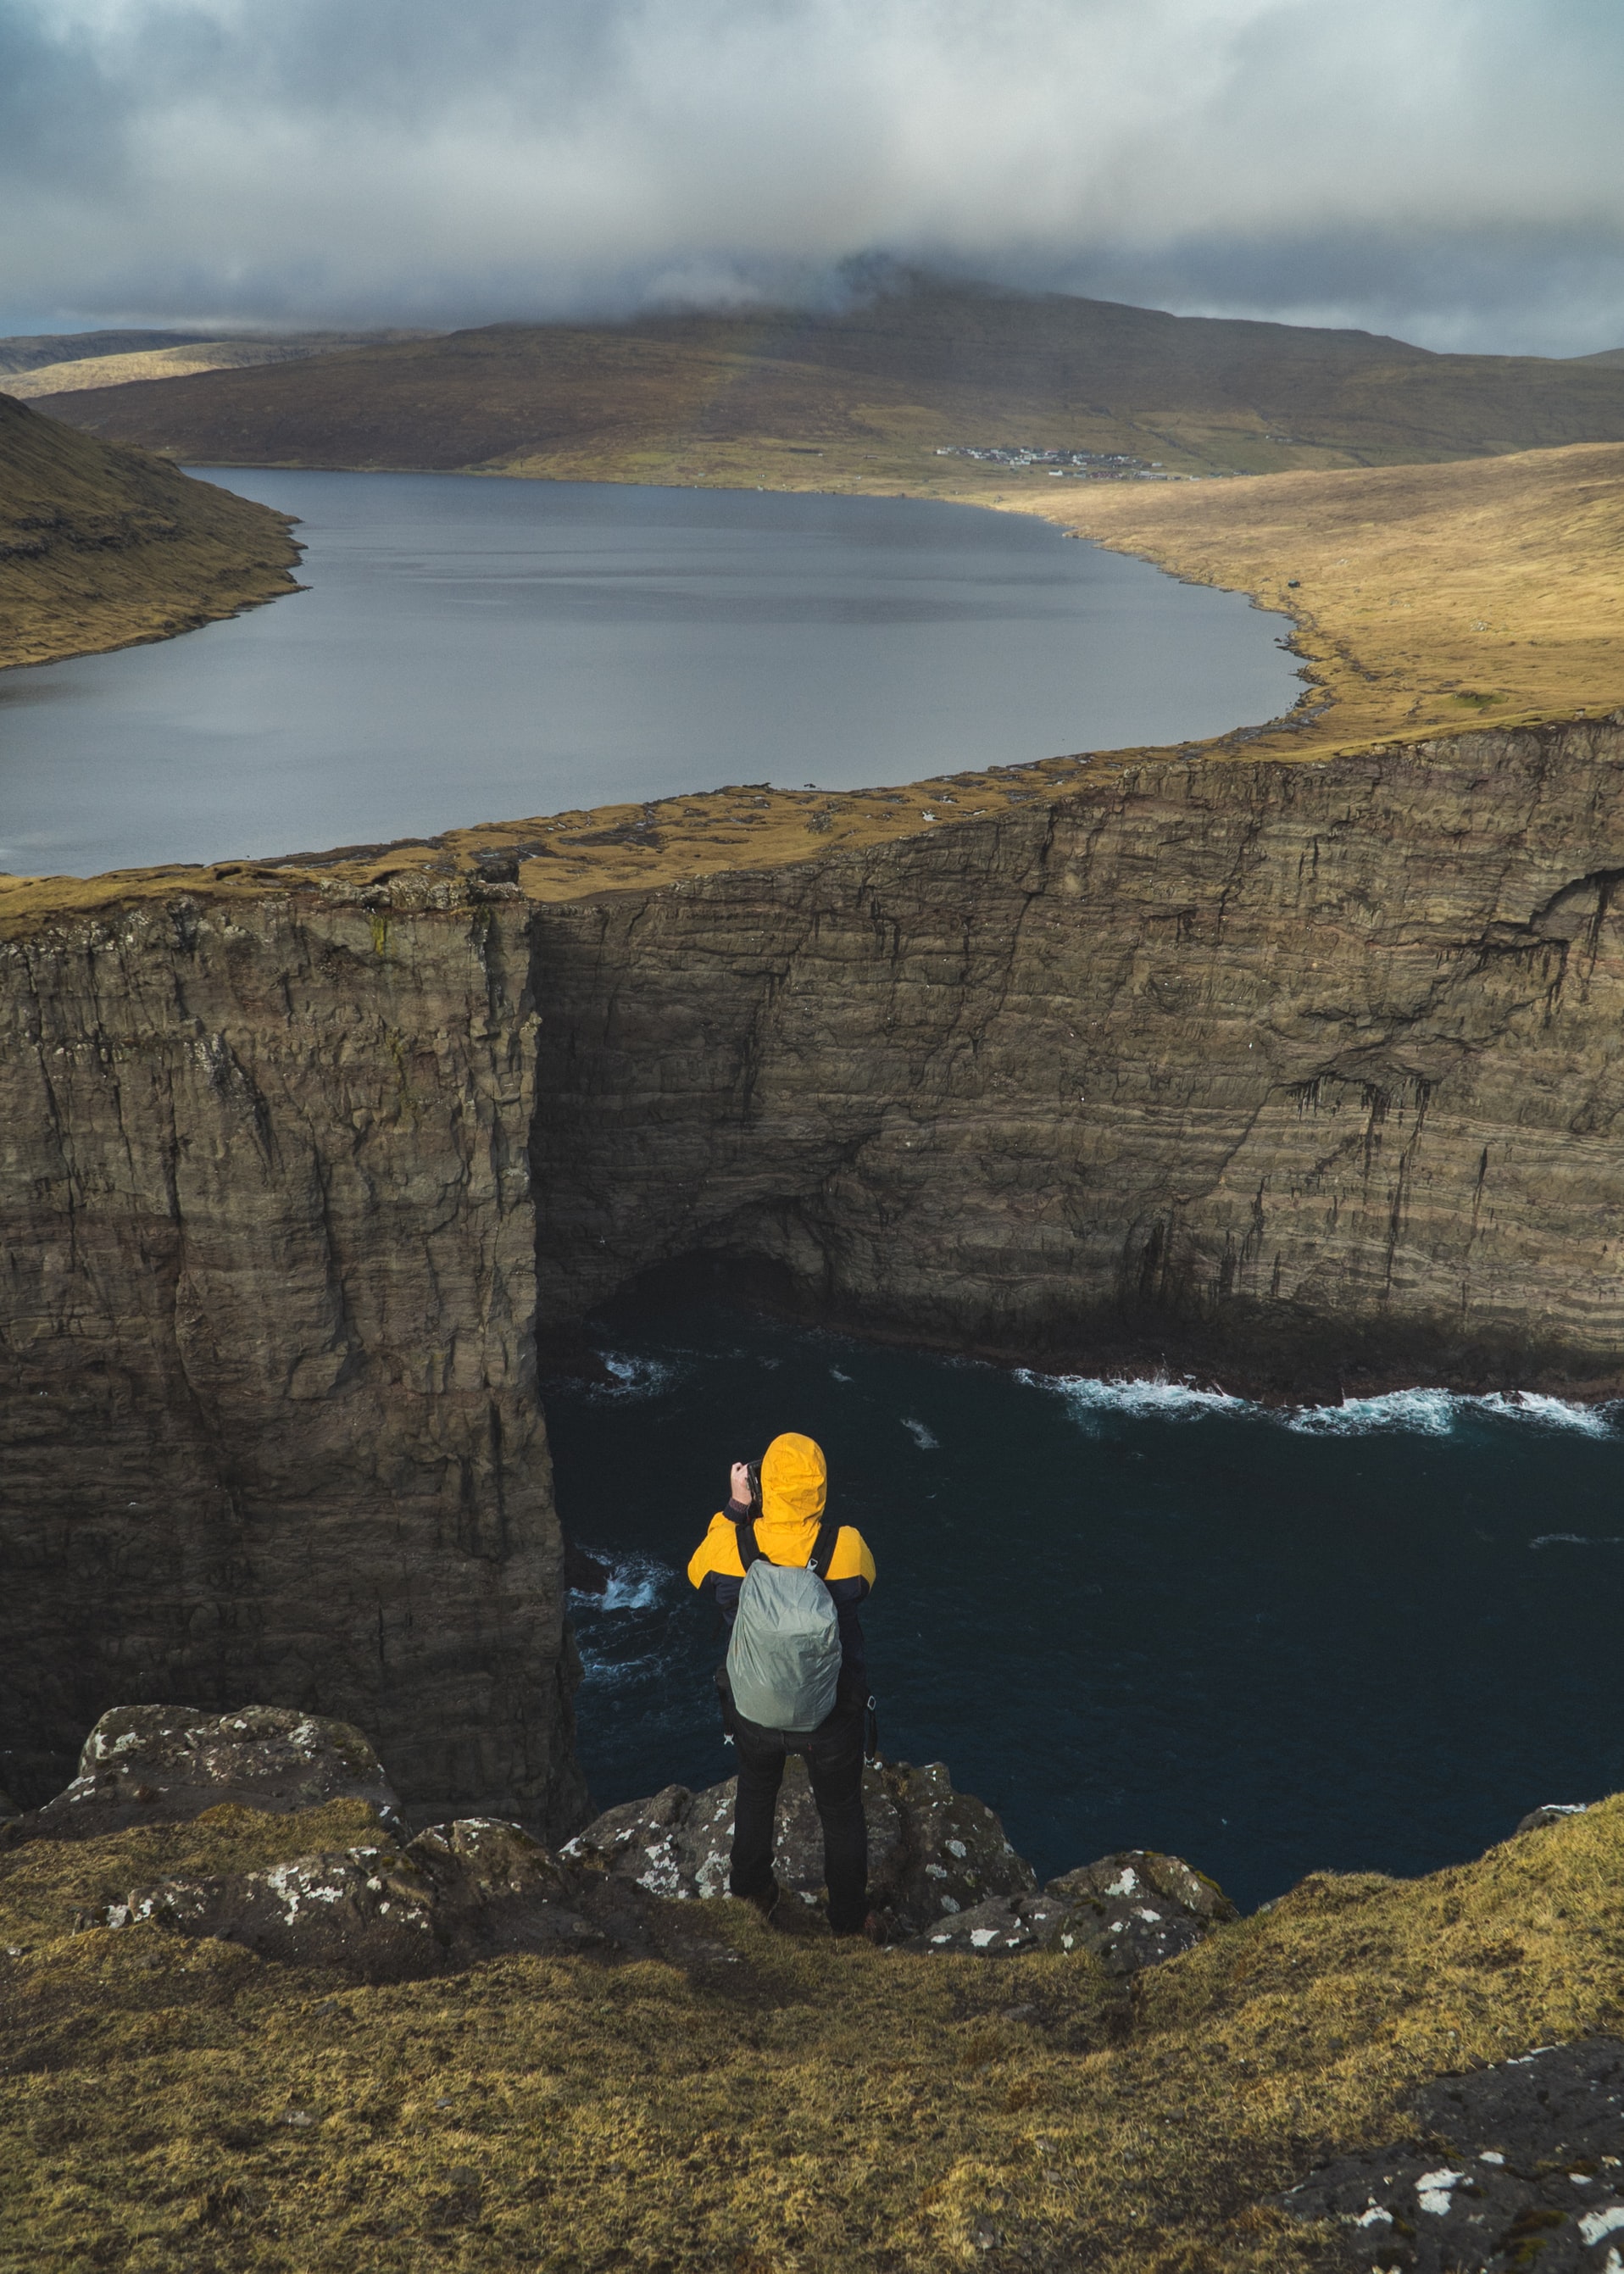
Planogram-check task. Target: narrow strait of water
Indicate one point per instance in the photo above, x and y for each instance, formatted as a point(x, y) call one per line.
point(1368, 1636)
point(475, 649)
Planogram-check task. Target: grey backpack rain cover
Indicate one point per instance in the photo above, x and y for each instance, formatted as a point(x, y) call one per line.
point(784, 1659)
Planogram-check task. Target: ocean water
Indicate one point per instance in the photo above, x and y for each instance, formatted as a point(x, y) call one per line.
point(479, 650)
point(1368, 1636)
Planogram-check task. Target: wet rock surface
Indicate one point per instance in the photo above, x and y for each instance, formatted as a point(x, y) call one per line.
point(1516, 2166)
point(165, 1764)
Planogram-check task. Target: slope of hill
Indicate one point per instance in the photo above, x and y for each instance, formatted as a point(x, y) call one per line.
point(870, 395)
point(102, 547)
point(30, 350)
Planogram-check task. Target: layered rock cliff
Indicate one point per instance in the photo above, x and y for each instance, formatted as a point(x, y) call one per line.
point(1305, 1070)
point(269, 1425)
point(1297, 1067)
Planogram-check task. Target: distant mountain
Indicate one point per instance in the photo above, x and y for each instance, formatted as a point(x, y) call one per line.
point(1613, 356)
point(873, 391)
point(100, 547)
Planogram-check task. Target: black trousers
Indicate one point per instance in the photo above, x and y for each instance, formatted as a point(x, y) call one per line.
point(834, 1753)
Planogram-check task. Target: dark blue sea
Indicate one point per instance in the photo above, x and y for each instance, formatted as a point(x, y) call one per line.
point(1363, 1636)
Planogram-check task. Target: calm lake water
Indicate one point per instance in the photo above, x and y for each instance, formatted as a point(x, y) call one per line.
point(1361, 1638)
point(475, 650)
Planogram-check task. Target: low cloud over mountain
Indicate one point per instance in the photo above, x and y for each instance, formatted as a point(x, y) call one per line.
point(1452, 173)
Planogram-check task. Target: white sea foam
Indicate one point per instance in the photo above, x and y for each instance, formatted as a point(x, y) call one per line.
point(1422, 1412)
point(1155, 1397)
point(835, 1374)
point(637, 1583)
point(632, 1377)
point(927, 1442)
point(1578, 1539)
point(1418, 1412)
point(1437, 1412)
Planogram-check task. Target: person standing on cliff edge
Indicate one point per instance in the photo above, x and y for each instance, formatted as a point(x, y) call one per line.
point(770, 1534)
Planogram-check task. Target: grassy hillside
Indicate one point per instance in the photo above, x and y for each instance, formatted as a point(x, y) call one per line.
point(867, 395)
point(1426, 597)
point(101, 547)
point(788, 2102)
point(31, 350)
point(60, 363)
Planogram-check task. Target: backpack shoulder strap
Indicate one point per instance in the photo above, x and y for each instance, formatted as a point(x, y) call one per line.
point(749, 1552)
point(823, 1553)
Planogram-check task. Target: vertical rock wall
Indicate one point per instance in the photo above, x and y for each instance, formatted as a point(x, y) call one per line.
point(1295, 1067)
point(267, 1289)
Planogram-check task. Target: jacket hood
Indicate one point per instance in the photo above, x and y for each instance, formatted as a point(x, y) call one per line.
point(794, 1481)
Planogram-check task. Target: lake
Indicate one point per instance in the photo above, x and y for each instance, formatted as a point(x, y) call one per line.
point(1360, 1638)
point(476, 649)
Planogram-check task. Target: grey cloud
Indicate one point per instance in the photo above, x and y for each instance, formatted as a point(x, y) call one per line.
point(1453, 172)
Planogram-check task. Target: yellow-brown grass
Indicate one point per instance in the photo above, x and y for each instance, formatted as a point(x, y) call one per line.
point(172, 2104)
point(1427, 597)
point(102, 547)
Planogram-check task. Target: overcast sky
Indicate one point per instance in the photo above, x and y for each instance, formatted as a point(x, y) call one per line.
point(1450, 170)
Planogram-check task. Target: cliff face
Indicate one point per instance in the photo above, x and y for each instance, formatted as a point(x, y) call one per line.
point(270, 1426)
point(1305, 1071)
point(1305, 1068)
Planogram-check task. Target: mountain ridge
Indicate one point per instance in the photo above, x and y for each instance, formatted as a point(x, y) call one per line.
point(877, 389)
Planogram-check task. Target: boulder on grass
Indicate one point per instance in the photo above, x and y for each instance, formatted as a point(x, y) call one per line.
point(458, 1893)
point(167, 1764)
point(1130, 1911)
point(1135, 1908)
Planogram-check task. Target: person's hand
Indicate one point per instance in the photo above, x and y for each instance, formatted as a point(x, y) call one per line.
point(739, 1484)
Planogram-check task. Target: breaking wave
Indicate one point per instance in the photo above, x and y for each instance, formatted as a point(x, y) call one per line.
point(925, 1439)
point(637, 1583)
point(1153, 1397)
point(1419, 1412)
point(633, 1377)
point(1438, 1413)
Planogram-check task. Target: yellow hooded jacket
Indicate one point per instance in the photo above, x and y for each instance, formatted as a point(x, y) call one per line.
point(794, 1484)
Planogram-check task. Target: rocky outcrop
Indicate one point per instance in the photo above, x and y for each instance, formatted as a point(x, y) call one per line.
point(267, 1289)
point(1130, 1911)
point(1312, 1072)
point(944, 1879)
point(1305, 1070)
point(164, 1764)
point(1514, 2165)
point(384, 1910)
point(932, 1851)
